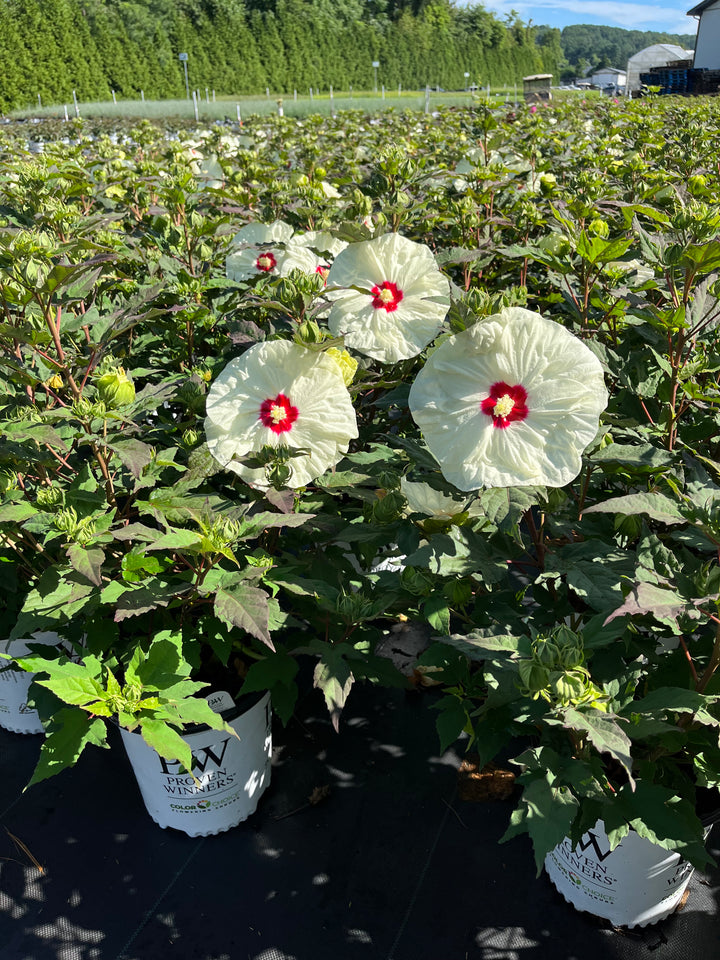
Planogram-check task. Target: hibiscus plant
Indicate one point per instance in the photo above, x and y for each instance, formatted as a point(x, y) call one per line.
point(253, 418)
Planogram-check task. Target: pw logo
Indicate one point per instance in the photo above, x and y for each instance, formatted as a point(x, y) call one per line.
point(201, 759)
point(593, 842)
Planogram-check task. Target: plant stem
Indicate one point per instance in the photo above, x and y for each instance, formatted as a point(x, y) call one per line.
point(712, 666)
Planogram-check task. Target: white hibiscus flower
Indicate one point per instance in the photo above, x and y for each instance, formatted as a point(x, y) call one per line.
point(254, 234)
point(399, 301)
point(279, 394)
point(513, 400)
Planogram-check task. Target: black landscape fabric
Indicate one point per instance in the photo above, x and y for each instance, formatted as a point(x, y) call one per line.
point(389, 865)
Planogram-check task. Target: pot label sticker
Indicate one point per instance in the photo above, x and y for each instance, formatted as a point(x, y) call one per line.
point(220, 701)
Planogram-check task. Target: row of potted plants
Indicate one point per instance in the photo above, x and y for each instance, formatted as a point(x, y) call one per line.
point(268, 393)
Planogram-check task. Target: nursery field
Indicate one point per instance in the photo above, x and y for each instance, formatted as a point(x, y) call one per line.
point(294, 104)
point(272, 391)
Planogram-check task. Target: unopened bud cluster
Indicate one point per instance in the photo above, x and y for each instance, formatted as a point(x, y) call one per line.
point(555, 672)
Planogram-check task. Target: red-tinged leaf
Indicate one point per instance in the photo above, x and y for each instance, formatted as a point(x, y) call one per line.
point(87, 561)
point(284, 500)
point(604, 733)
point(137, 531)
point(245, 607)
point(665, 605)
point(134, 602)
point(334, 677)
point(134, 454)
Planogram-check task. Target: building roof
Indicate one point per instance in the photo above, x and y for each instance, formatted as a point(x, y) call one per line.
point(696, 11)
point(607, 70)
point(671, 50)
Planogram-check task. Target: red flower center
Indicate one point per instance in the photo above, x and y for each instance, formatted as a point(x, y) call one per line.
point(278, 414)
point(323, 269)
point(266, 262)
point(386, 296)
point(505, 404)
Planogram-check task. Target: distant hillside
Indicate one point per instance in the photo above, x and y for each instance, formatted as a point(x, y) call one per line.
point(589, 46)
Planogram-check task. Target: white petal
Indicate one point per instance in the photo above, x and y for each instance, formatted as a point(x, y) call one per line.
point(386, 335)
point(256, 233)
point(311, 381)
point(565, 396)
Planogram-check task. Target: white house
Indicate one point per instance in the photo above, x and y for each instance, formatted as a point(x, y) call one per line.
point(658, 55)
point(608, 76)
point(707, 45)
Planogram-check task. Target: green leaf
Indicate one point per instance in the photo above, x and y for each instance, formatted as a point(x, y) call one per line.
point(198, 710)
point(245, 607)
point(597, 250)
point(654, 505)
point(70, 731)
point(176, 539)
point(603, 732)
point(547, 814)
point(137, 531)
point(16, 512)
point(478, 643)
point(451, 721)
point(134, 601)
point(163, 665)
point(460, 552)
point(640, 456)
point(166, 741)
point(72, 684)
point(659, 816)
point(505, 506)
point(57, 596)
point(667, 700)
point(437, 613)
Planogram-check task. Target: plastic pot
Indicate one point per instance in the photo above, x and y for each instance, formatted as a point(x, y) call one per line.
point(15, 714)
point(232, 773)
point(636, 884)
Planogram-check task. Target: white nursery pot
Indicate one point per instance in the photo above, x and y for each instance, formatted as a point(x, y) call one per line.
point(15, 714)
point(232, 773)
point(636, 884)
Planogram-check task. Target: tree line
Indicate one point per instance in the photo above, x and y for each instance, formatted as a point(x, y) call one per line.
point(590, 46)
point(94, 47)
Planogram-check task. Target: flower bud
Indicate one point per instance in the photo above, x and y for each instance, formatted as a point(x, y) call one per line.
point(190, 438)
point(533, 676)
point(278, 474)
point(568, 688)
point(48, 498)
point(66, 520)
point(8, 481)
point(309, 332)
point(115, 388)
point(599, 228)
point(82, 408)
point(347, 364)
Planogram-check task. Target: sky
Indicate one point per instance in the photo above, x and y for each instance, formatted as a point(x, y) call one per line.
point(668, 18)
